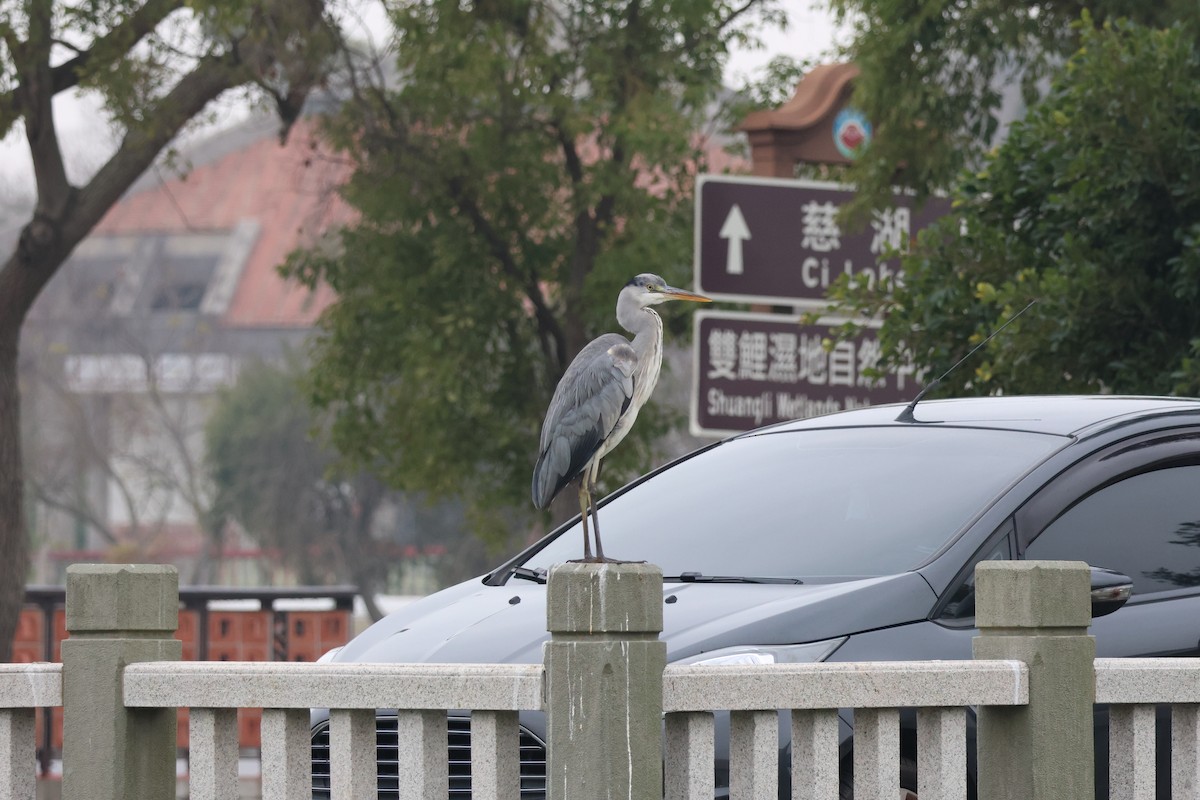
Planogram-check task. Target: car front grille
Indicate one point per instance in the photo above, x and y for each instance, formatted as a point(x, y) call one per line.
point(533, 760)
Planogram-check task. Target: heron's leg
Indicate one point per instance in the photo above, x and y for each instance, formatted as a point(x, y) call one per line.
point(585, 500)
point(596, 534)
point(590, 476)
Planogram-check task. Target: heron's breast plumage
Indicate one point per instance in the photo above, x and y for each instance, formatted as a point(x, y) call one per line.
point(647, 349)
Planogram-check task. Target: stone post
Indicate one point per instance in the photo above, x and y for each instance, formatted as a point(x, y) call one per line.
point(117, 615)
point(604, 672)
point(1038, 612)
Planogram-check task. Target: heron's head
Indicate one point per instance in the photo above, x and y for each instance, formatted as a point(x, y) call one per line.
point(649, 289)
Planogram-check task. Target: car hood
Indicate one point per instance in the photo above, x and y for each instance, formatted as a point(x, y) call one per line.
point(476, 623)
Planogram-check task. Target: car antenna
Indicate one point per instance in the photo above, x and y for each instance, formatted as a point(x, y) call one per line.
point(907, 414)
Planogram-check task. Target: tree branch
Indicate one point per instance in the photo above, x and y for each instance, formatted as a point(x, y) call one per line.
point(118, 41)
point(212, 76)
point(68, 45)
point(570, 153)
point(65, 215)
point(82, 511)
point(735, 13)
point(35, 77)
point(554, 343)
point(123, 37)
point(10, 39)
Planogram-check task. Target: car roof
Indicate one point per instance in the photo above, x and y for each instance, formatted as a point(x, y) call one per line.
point(1057, 414)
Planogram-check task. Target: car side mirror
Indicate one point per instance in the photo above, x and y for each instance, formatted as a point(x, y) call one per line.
point(1110, 590)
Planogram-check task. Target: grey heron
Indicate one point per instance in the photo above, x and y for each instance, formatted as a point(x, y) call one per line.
point(598, 399)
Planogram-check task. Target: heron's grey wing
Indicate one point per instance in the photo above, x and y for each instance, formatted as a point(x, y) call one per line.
point(593, 393)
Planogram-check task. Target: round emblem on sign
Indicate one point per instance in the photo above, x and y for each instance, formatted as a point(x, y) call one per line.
point(851, 132)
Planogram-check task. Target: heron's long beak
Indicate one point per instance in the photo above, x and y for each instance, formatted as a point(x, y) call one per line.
point(679, 294)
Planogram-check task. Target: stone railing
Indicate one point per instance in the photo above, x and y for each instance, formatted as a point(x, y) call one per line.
point(1134, 688)
point(422, 694)
point(813, 693)
point(604, 688)
point(23, 689)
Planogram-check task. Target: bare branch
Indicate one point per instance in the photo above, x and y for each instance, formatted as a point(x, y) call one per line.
point(91, 453)
point(66, 44)
point(700, 34)
point(190, 487)
point(81, 510)
point(737, 12)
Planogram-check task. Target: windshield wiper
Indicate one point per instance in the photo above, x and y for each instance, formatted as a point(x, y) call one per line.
point(699, 577)
point(525, 573)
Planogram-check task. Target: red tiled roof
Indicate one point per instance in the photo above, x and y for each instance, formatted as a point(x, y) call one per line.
point(289, 190)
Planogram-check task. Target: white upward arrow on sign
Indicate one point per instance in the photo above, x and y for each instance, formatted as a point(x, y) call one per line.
point(736, 231)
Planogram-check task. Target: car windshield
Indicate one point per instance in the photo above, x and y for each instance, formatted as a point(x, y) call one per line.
point(807, 504)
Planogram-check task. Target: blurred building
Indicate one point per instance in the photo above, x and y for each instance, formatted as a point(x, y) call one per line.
point(175, 291)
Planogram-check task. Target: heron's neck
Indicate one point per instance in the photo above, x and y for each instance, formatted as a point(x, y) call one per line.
point(647, 329)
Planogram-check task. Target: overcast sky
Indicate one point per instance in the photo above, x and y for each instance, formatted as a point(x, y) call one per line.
point(87, 139)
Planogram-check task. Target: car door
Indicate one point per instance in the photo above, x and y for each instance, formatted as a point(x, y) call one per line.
point(1134, 508)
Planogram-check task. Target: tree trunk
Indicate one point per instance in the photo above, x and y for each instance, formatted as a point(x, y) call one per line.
point(364, 568)
point(14, 537)
point(64, 215)
point(42, 247)
point(362, 562)
point(367, 593)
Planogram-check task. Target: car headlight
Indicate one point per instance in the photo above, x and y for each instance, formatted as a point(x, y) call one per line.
point(809, 653)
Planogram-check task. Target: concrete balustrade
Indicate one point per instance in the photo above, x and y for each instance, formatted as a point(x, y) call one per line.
point(23, 688)
point(606, 690)
point(117, 614)
point(878, 684)
point(1038, 612)
point(604, 687)
point(286, 756)
point(423, 693)
point(1133, 688)
point(243, 684)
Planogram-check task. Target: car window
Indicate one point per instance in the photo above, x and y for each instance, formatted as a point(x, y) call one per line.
point(1146, 526)
point(816, 503)
point(960, 605)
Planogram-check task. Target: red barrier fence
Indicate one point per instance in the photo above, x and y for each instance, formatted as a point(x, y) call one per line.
point(297, 624)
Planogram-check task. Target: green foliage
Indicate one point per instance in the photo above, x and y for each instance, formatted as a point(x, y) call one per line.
point(1091, 207)
point(933, 70)
point(263, 461)
point(133, 52)
point(275, 473)
point(534, 157)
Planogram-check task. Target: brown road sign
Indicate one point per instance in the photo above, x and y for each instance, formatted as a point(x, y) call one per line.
point(775, 241)
point(756, 369)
